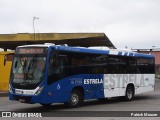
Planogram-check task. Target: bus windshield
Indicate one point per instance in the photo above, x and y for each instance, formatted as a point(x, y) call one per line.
point(28, 70)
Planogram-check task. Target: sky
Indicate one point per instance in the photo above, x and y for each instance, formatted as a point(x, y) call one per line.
point(127, 23)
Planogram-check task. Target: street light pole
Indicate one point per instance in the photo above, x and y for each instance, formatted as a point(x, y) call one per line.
point(34, 18)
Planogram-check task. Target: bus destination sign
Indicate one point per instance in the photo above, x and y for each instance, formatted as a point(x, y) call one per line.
point(31, 50)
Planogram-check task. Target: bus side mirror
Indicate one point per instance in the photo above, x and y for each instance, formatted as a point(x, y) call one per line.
point(5, 59)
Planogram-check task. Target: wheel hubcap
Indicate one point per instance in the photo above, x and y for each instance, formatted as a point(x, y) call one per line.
point(129, 94)
point(74, 99)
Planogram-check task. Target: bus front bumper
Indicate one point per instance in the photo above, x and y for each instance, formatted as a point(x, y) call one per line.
point(45, 98)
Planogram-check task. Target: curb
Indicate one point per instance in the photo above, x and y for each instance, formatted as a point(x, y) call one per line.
point(4, 94)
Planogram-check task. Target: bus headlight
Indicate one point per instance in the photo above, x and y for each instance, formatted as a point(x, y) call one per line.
point(39, 90)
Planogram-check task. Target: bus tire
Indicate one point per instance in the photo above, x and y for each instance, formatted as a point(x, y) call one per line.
point(76, 99)
point(46, 105)
point(129, 93)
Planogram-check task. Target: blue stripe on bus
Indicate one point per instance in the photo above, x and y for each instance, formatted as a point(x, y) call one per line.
point(126, 53)
point(131, 54)
point(120, 53)
point(86, 50)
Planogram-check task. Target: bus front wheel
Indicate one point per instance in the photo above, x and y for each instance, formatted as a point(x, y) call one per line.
point(76, 99)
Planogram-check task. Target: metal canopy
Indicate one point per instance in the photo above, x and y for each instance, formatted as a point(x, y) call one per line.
point(11, 41)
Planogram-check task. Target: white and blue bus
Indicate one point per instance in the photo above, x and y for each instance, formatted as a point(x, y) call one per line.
point(50, 73)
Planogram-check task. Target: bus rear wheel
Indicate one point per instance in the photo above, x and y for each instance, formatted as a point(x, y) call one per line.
point(129, 93)
point(76, 99)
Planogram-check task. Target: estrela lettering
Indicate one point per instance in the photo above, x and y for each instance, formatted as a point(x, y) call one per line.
point(93, 81)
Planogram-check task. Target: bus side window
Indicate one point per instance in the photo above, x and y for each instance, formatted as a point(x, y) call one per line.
point(56, 67)
point(52, 59)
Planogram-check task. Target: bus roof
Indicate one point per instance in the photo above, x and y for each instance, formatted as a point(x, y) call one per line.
point(106, 51)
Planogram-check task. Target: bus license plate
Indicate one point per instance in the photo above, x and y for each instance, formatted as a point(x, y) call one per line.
point(19, 91)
